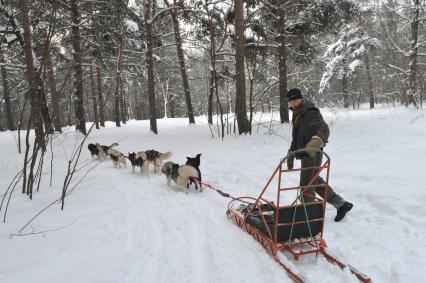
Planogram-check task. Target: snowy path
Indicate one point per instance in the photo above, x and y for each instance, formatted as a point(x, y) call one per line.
point(131, 228)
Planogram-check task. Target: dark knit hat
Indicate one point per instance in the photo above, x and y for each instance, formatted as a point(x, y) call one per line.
point(294, 93)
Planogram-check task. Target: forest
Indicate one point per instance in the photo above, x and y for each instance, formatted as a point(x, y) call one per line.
point(70, 62)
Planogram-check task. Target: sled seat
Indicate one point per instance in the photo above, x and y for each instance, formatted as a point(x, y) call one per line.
point(301, 224)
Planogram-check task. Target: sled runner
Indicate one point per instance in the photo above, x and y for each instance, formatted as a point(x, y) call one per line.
point(296, 227)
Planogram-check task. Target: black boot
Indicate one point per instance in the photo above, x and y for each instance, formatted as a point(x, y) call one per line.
point(341, 212)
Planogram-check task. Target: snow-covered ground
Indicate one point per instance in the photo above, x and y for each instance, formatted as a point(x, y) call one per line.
point(123, 227)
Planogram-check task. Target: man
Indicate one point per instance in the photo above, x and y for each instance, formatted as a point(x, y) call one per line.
point(311, 131)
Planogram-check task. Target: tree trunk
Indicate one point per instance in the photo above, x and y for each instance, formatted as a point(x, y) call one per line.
point(123, 108)
point(78, 81)
point(36, 95)
point(210, 98)
point(251, 78)
point(6, 94)
point(214, 80)
point(413, 55)
point(118, 94)
point(369, 80)
point(212, 71)
point(182, 66)
point(54, 95)
point(172, 108)
point(100, 96)
point(282, 53)
point(3, 128)
point(45, 111)
point(139, 105)
point(367, 67)
point(345, 91)
point(150, 66)
point(95, 106)
point(240, 101)
point(34, 81)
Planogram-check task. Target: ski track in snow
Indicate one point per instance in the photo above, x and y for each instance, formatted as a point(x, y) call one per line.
point(131, 228)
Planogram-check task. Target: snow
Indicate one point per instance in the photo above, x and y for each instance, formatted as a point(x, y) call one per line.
point(354, 64)
point(131, 25)
point(10, 37)
point(124, 227)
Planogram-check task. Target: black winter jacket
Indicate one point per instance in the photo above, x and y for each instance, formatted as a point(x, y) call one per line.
point(310, 123)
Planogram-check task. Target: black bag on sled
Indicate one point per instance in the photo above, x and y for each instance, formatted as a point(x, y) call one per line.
point(301, 230)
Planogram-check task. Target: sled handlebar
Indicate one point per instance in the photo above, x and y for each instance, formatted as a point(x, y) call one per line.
point(305, 150)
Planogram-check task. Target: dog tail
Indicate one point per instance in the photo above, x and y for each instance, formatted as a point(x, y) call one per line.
point(114, 144)
point(141, 154)
point(165, 156)
point(187, 171)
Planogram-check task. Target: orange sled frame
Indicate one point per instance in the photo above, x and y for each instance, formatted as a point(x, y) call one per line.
point(296, 247)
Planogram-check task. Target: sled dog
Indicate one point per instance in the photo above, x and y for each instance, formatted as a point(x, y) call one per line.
point(137, 160)
point(117, 157)
point(179, 174)
point(195, 162)
point(156, 159)
point(101, 151)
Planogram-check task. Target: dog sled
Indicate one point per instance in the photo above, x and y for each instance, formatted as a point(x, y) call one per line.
point(289, 226)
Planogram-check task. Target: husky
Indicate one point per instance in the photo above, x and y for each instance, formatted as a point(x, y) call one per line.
point(156, 159)
point(195, 162)
point(93, 150)
point(101, 151)
point(137, 159)
point(179, 174)
point(117, 157)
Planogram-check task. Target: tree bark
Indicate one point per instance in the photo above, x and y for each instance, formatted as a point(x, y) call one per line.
point(36, 95)
point(413, 55)
point(150, 66)
point(181, 59)
point(54, 95)
point(117, 94)
point(214, 80)
point(123, 103)
point(100, 95)
point(367, 67)
point(345, 90)
point(212, 69)
point(369, 80)
point(240, 101)
point(3, 128)
point(139, 105)
point(95, 106)
point(282, 53)
point(6, 94)
point(210, 98)
point(34, 81)
point(78, 81)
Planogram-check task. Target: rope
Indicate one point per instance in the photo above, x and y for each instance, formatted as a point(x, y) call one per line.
point(222, 193)
point(294, 216)
point(307, 218)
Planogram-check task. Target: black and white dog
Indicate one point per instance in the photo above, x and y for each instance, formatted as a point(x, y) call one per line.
point(101, 151)
point(137, 160)
point(117, 157)
point(195, 162)
point(155, 158)
point(94, 151)
point(179, 174)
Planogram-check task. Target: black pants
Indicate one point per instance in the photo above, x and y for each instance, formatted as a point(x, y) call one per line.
point(306, 175)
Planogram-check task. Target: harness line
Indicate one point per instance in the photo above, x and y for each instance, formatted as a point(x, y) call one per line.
point(220, 192)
